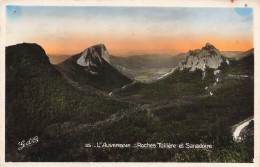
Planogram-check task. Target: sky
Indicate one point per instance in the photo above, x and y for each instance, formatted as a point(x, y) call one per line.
point(129, 30)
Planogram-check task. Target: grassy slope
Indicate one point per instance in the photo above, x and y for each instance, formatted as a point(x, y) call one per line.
point(37, 95)
point(207, 120)
point(179, 84)
point(244, 66)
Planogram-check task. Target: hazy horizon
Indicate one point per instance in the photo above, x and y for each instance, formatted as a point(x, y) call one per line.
point(129, 31)
point(129, 54)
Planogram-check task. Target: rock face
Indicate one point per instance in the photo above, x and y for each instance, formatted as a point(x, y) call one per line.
point(92, 67)
point(93, 56)
point(207, 57)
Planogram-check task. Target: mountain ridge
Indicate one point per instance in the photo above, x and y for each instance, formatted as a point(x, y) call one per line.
point(237, 54)
point(146, 61)
point(92, 67)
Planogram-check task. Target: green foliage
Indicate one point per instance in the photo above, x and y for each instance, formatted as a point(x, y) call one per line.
point(181, 83)
point(37, 96)
point(244, 66)
point(206, 120)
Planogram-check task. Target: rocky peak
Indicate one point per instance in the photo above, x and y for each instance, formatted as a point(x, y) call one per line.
point(193, 52)
point(207, 57)
point(208, 46)
point(94, 56)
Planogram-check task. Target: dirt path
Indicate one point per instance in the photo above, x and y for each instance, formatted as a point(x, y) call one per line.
point(239, 127)
point(61, 132)
point(58, 133)
point(141, 104)
point(167, 74)
point(115, 91)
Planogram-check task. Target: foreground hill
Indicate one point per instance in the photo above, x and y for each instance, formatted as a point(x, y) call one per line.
point(91, 67)
point(38, 96)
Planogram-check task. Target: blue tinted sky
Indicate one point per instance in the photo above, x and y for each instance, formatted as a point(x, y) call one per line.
point(125, 30)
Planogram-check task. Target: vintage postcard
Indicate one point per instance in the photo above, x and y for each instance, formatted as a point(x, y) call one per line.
point(132, 81)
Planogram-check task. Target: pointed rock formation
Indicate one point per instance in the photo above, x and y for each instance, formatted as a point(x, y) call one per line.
point(92, 67)
point(207, 57)
point(94, 56)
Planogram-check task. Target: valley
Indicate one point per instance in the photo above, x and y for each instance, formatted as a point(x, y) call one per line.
point(145, 75)
point(73, 103)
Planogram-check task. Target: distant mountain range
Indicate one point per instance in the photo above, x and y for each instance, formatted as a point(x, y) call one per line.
point(86, 68)
point(150, 60)
point(146, 61)
point(159, 61)
point(237, 54)
point(56, 58)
